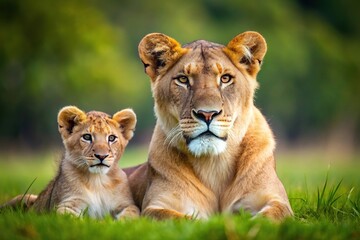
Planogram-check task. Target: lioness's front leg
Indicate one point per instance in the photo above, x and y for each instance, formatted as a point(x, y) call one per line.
point(173, 200)
point(276, 210)
point(262, 204)
point(162, 213)
point(163, 206)
point(269, 200)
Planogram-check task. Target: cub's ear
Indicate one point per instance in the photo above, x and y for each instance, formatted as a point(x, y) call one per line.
point(158, 52)
point(68, 118)
point(127, 121)
point(247, 49)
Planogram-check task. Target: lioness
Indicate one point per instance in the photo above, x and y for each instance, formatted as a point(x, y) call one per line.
point(89, 178)
point(212, 149)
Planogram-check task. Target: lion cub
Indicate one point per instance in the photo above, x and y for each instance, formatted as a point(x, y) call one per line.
point(89, 179)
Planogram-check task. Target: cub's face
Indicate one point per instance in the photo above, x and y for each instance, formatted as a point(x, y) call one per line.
point(203, 91)
point(95, 141)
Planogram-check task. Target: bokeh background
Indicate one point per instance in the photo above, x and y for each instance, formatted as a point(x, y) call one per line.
point(84, 52)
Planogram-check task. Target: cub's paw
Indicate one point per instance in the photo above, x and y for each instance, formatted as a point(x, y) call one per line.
point(128, 212)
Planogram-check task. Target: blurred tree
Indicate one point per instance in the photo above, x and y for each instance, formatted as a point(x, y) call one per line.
point(54, 53)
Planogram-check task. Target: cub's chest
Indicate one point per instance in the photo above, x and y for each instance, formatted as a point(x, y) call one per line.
point(100, 200)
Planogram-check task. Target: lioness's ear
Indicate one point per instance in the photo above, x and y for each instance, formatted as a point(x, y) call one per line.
point(68, 118)
point(127, 121)
point(247, 49)
point(158, 52)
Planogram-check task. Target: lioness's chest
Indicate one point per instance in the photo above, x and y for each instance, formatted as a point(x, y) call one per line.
point(215, 173)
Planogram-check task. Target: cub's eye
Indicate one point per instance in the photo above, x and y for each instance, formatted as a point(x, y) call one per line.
point(226, 78)
point(182, 79)
point(112, 138)
point(87, 137)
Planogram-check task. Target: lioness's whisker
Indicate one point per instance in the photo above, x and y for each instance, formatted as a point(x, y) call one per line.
point(173, 135)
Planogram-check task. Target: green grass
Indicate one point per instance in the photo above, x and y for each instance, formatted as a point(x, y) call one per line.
point(323, 191)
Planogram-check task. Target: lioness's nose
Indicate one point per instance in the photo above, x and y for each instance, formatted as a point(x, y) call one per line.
point(206, 116)
point(101, 157)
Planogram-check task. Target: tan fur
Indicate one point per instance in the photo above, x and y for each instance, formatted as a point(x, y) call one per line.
point(200, 88)
point(81, 184)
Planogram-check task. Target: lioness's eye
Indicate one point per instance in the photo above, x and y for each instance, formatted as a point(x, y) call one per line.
point(226, 78)
point(182, 79)
point(87, 137)
point(112, 138)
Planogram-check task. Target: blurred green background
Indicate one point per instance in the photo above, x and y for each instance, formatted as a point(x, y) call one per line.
point(84, 52)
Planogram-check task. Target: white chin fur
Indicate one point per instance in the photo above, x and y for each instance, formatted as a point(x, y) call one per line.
point(99, 169)
point(207, 146)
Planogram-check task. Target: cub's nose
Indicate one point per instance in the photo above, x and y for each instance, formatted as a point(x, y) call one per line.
point(206, 116)
point(101, 157)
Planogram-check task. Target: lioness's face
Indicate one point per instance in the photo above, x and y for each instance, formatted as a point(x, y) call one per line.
point(203, 90)
point(95, 141)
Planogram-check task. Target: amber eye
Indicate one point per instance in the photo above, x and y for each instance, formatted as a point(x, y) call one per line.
point(226, 78)
point(87, 137)
point(112, 138)
point(182, 79)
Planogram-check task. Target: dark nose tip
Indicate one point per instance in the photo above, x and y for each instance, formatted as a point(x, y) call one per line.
point(206, 116)
point(101, 157)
